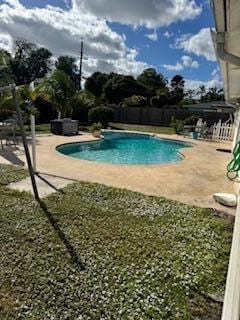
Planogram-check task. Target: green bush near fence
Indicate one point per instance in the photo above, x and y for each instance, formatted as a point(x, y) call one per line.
point(134, 101)
point(101, 114)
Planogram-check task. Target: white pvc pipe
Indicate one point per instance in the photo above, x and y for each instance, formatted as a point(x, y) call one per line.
point(231, 305)
point(237, 127)
point(32, 119)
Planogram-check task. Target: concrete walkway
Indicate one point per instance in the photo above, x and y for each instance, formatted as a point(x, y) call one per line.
point(46, 184)
point(192, 180)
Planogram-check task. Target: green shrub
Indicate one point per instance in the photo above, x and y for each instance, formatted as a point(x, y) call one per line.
point(134, 101)
point(177, 125)
point(101, 114)
point(159, 101)
point(81, 103)
point(95, 126)
point(192, 120)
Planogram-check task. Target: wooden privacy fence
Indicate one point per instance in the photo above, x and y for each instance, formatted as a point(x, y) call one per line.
point(223, 131)
point(162, 116)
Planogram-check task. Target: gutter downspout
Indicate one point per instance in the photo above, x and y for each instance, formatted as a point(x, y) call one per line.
point(219, 41)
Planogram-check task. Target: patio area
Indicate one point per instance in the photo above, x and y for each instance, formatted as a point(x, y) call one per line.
point(192, 180)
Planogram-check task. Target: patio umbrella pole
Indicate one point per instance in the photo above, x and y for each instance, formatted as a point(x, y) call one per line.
point(25, 145)
point(32, 119)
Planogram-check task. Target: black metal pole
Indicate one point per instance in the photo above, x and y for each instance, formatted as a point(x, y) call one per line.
point(80, 67)
point(25, 145)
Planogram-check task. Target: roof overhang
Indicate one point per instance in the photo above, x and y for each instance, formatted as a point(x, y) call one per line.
point(227, 45)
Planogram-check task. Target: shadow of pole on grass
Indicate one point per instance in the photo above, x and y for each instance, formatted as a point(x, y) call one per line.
point(49, 183)
point(69, 247)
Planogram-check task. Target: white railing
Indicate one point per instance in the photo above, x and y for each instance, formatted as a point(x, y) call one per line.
point(223, 131)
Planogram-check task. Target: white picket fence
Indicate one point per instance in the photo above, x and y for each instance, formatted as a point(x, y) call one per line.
point(223, 131)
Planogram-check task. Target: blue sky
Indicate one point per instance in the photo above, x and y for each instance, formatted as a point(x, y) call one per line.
point(161, 52)
point(115, 34)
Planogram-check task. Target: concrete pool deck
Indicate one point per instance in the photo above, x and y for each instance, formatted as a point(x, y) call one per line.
point(193, 180)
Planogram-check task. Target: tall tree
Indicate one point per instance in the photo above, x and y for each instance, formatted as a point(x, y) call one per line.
point(202, 92)
point(96, 82)
point(29, 62)
point(120, 87)
point(177, 82)
point(68, 65)
point(177, 89)
point(152, 80)
point(6, 76)
point(161, 99)
point(214, 94)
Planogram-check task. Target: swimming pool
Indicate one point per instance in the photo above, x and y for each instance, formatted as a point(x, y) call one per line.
point(126, 148)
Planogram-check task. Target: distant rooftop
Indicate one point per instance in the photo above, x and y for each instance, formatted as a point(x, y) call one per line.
point(214, 106)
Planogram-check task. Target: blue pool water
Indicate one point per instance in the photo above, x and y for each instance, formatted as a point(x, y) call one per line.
point(126, 148)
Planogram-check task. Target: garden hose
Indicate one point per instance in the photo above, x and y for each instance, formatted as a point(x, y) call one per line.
point(234, 165)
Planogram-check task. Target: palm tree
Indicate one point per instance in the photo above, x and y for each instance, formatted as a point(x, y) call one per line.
point(6, 104)
point(190, 94)
point(58, 90)
point(29, 95)
point(215, 94)
point(202, 92)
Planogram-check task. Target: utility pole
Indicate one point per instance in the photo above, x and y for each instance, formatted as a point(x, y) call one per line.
point(80, 67)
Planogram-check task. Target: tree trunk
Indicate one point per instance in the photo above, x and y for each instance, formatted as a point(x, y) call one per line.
point(59, 114)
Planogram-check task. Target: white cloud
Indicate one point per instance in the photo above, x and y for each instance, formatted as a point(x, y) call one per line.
point(6, 42)
point(215, 81)
point(195, 65)
point(168, 34)
point(186, 62)
point(152, 36)
point(61, 32)
point(173, 67)
point(13, 3)
point(148, 13)
point(200, 44)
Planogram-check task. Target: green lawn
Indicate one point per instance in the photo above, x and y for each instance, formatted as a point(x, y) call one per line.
point(143, 128)
point(95, 252)
point(40, 128)
point(45, 128)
